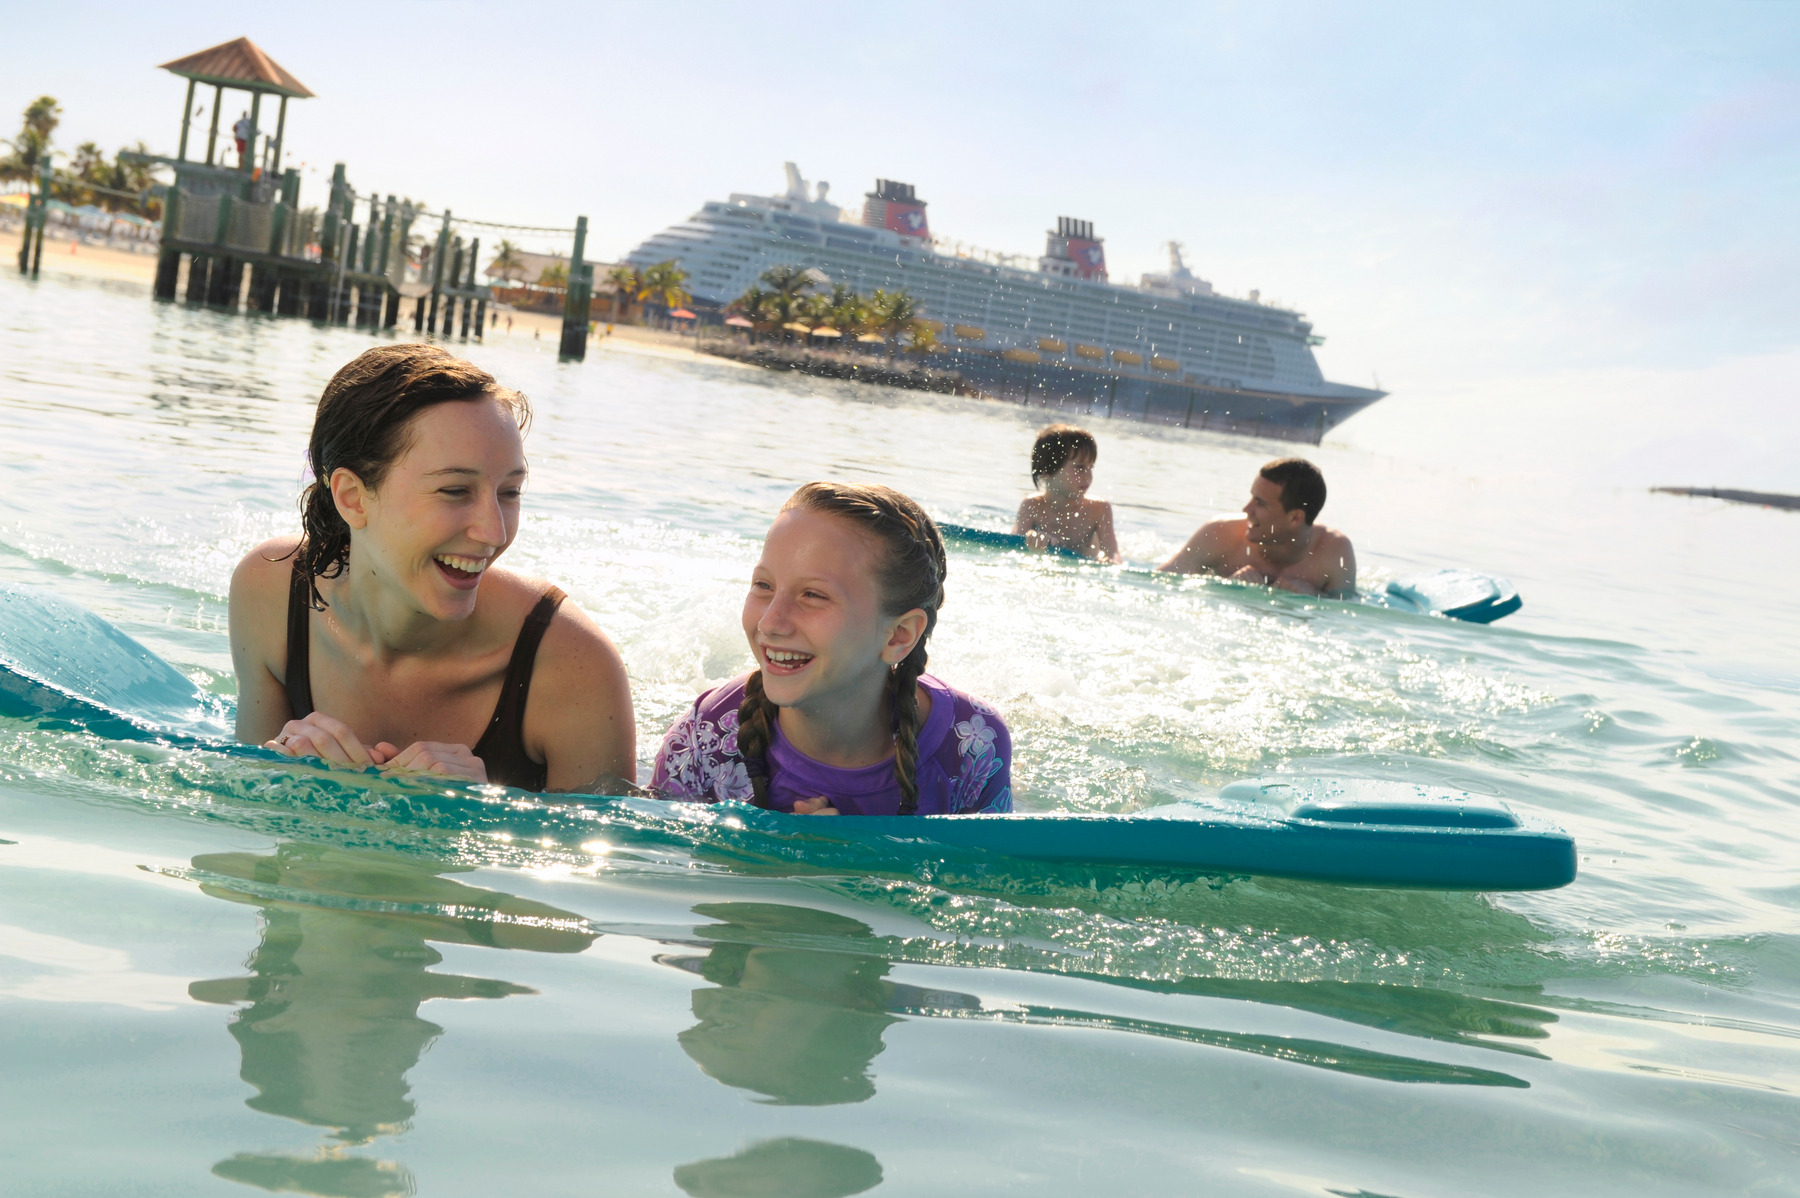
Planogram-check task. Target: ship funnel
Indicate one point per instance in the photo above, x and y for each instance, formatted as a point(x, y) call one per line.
point(895, 206)
point(1073, 250)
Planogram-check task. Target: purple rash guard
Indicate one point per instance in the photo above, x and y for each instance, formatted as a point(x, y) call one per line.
point(965, 761)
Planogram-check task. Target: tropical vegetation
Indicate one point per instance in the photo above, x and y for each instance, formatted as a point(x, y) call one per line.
point(784, 302)
point(89, 178)
point(660, 285)
point(507, 263)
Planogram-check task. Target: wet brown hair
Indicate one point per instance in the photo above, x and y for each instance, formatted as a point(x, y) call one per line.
point(1302, 486)
point(1056, 446)
point(362, 425)
point(910, 575)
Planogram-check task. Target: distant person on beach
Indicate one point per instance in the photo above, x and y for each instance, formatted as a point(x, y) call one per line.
point(240, 133)
point(840, 717)
point(1276, 542)
point(1060, 516)
point(387, 623)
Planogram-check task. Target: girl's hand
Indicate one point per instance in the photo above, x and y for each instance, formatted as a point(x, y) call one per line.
point(819, 805)
point(433, 757)
point(331, 740)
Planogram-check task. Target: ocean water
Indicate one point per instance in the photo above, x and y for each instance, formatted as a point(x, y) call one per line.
point(219, 974)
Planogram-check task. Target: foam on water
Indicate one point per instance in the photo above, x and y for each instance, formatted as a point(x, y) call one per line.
point(697, 1002)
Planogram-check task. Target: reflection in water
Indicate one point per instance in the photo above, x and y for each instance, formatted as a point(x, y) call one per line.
point(332, 1023)
point(791, 1168)
point(802, 1000)
point(797, 1024)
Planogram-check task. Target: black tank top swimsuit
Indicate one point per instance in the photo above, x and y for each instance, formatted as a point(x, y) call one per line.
point(502, 747)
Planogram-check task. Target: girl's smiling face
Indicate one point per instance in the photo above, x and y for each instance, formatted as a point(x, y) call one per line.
point(814, 615)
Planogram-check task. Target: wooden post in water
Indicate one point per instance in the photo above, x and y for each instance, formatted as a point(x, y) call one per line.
point(437, 273)
point(391, 316)
point(221, 265)
point(469, 286)
point(575, 299)
point(480, 304)
point(168, 261)
point(454, 275)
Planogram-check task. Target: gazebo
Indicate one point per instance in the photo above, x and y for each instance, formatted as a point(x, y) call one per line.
point(242, 66)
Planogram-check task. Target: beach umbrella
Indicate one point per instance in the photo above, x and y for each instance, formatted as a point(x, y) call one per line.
point(794, 326)
point(872, 339)
point(682, 314)
point(738, 322)
point(825, 331)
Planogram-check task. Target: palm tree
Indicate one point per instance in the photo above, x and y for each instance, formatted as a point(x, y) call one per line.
point(87, 170)
point(40, 120)
point(894, 313)
point(752, 306)
point(664, 284)
point(922, 340)
point(555, 276)
point(507, 264)
point(627, 282)
point(785, 303)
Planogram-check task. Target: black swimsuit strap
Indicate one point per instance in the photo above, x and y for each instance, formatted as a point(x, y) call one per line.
point(502, 746)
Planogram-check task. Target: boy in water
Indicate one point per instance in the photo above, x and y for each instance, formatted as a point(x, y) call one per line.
point(1060, 516)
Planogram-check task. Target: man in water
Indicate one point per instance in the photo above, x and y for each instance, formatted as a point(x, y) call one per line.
point(1276, 542)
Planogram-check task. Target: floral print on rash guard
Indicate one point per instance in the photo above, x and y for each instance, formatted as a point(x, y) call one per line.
point(964, 765)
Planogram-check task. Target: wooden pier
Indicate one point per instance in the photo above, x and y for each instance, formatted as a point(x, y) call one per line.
point(236, 227)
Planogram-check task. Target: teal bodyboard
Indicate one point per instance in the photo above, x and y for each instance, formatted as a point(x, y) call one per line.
point(62, 663)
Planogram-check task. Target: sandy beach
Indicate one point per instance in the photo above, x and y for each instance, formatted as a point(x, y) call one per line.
point(62, 257)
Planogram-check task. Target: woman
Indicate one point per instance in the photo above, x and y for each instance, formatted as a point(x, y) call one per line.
point(386, 623)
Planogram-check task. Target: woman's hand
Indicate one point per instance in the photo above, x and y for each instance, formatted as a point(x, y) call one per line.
point(1035, 539)
point(819, 805)
point(434, 757)
point(331, 740)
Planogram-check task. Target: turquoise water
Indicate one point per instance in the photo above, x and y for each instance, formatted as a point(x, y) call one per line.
point(219, 973)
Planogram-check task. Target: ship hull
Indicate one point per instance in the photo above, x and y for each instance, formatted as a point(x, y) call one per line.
point(1284, 417)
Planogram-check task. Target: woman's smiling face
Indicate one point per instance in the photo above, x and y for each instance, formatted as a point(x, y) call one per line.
point(814, 616)
point(447, 508)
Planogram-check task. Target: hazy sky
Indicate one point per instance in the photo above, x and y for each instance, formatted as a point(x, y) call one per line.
point(1455, 195)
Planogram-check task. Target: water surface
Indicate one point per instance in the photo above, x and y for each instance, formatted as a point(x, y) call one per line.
point(219, 973)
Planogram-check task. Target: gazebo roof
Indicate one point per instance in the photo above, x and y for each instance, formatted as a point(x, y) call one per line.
point(240, 64)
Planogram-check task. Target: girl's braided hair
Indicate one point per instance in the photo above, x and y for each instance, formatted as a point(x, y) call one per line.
point(911, 575)
point(362, 425)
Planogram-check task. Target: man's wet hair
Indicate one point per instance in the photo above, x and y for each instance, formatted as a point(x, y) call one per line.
point(1056, 446)
point(1302, 486)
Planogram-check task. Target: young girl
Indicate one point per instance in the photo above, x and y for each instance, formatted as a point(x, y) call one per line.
point(840, 717)
point(1060, 516)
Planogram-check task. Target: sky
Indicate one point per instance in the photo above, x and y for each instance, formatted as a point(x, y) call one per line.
point(1474, 204)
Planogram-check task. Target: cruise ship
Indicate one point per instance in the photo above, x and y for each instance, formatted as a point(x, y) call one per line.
point(1056, 332)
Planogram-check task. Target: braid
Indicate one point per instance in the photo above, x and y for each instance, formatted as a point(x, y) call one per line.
point(756, 716)
point(904, 694)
